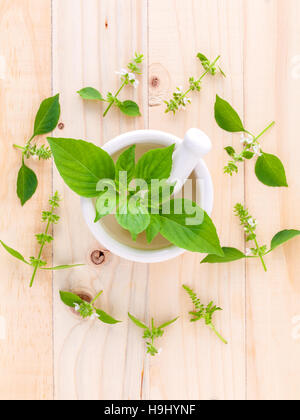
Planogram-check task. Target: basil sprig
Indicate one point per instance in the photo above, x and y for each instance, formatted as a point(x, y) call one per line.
point(85, 309)
point(250, 225)
point(90, 172)
point(128, 78)
point(45, 122)
point(269, 169)
point(152, 333)
point(37, 263)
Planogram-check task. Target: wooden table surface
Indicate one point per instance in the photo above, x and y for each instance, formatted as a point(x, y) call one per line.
point(61, 46)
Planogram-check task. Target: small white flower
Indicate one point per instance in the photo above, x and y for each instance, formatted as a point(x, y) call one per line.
point(131, 77)
point(248, 252)
point(252, 222)
point(122, 72)
point(247, 139)
point(76, 307)
point(35, 157)
point(187, 101)
point(159, 352)
point(136, 84)
point(256, 150)
point(179, 89)
point(94, 316)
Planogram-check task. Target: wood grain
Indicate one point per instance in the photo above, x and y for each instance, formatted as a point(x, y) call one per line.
point(91, 39)
point(95, 361)
point(26, 348)
point(200, 366)
point(272, 91)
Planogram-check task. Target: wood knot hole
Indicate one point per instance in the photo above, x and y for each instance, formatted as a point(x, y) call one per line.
point(98, 257)
point(61, 126)
point(85, 297)
point(155, 82)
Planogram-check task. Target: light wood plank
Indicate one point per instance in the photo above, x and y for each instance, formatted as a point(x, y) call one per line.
point(272, 91)
point(194, 365)
point(25, 79)
point(93, 39)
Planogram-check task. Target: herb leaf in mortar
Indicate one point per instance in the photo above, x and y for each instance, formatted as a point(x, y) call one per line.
point(144, 205)
point(155, 164)
point(269, 169)
point(81, 165)
point(189, 227)
point(126, 163)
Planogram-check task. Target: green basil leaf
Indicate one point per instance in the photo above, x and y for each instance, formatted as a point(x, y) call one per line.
point(107, 319)
point(126, 163)
point(130, 108)
point(137, 322)
point(62, 267)
point(81, 165)
point(97, 217)
point(26, 184)
point(283, 237)
point(153, 229)
point(91, 94)
point(248, 155)
point(226, 117)
point(106, 204)
point(14, 253)
point(70, 299)
point(270, 171)
point(199, 237)
point(203, 58)
point(166, 324)
point(133, 216)
point(155, 164)
point(160, 193)
point(230, 151)
point(48, 116)
point(230, 254)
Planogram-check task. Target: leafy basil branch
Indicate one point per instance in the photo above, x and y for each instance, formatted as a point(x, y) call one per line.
point(269, 169)
point(36, 262)
point(139, 206)
point(151, 333)
point(128, 77)
point(45, 122)
point(180, 98)
point(203, 312)
point(250, 225)
point(85, 309)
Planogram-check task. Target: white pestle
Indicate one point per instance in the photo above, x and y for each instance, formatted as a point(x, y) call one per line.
point(196, 145)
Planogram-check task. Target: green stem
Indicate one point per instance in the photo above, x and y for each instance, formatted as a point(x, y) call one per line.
point(260, 256)
point(31, 138)
point(94, 300)
point(265, 130)
point(201, 77)
point(18, 147)
point(218, 334)
point(116, 95)
point(40, 253)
